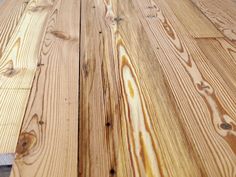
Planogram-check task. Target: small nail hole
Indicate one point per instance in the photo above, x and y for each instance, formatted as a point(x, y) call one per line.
point(108, 124)
point(112, 172)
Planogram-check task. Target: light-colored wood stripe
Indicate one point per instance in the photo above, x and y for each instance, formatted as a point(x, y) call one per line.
point(140, 132)
point(48, 143)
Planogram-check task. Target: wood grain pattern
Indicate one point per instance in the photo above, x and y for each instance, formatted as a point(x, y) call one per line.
point(17, 67)
point(133, 88)
point(193, 19)
point(99, 96)
point(204, 107)
point(11, 12)
point(141, 152)
point(221, 54)
point(222, 14)
point(47, 144)
point(159, 102)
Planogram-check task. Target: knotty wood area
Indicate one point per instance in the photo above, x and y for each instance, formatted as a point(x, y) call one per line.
point(153, 101)
point(40, 75)
point(18, 64)
point(126, 88)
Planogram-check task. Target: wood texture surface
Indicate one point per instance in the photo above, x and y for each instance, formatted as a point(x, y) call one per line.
point(196, 93)
point(192, 19)
point(222, 14)
point(99, 96)
point(47, 144)
point(11, 12)
point(17, 67)
point(132, 88)
point(221, 55)
point(203, 106)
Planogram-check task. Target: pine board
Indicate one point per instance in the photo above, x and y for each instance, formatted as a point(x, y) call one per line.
point(17, 66)
point(11, 12)
point(201, 96)
point(47, 144)
point(99, 96)
point(159, 111)
point(221, 54)
point(222, 14)
point(128, 88)
point(193, 19)
point(149, 45)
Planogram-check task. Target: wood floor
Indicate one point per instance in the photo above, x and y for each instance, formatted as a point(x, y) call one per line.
point(126, 88)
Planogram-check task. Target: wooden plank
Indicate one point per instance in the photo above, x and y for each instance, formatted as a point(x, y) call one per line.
point(150, 87)
point(193, 19)
point(17, 67)
point(221, 54)
point(229, 48)
point(123, 88)
point(99, 96)
point(154, 101)
point(222, 14)
point(11, 12)
point(10, 121)
point(204, 101)
point(48, 143)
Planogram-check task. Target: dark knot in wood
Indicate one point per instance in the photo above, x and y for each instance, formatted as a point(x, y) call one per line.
point(25, 143)
point(226, 126)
